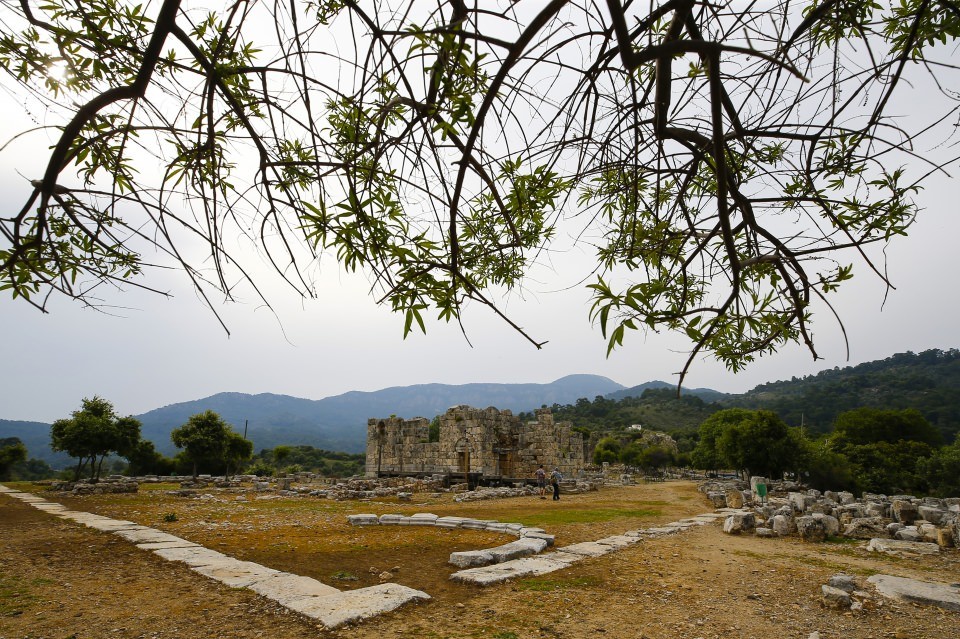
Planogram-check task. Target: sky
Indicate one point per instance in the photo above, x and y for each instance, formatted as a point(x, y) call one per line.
point(150, 351)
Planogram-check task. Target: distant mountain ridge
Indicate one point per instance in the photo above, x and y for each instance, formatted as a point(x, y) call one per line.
point(928, 381)
point(334, 423)
point(706, 394)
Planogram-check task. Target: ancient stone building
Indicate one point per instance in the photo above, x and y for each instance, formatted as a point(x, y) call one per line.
point(488, 442)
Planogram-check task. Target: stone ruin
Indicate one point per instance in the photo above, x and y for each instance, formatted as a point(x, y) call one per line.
point(487, 443)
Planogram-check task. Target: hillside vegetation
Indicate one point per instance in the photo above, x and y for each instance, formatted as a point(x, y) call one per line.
point(928, 382)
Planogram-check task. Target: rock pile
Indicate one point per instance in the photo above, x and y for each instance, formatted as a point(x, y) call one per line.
point(104, 486)
point(916, 523)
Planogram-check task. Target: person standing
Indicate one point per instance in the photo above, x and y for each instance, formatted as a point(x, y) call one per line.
point(555, 478)
point(541, 475)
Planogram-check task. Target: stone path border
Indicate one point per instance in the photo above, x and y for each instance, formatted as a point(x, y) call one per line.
point(307, 596)
point(496, 565)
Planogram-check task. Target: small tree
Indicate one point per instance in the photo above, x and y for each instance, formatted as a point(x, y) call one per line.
point(94, 432)
point(207, 441)
point(145, 460)
point(239, 450)
point(12, 451)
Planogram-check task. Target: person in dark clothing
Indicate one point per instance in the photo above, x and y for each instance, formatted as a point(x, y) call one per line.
point(555, 478)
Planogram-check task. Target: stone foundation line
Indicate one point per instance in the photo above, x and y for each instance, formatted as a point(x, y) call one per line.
point(304, 595)
point(496, 565)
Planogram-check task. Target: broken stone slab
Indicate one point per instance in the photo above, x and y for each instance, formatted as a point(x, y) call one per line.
point(527, 529)
point(618, 541)
point(476, 524)
point(146, 535)
point(421, 519)
point(234, 572)
point(926, 593)
point(286, 588)
point(363, 520)
point(348, 606)
point(540, 535)
point(87, 519)
point(198, 556)
point(390, 520)
point(587, 549)
point(113, 525)
point(496, 526)
point(905, 548)
point(660, 530)
point(450, 522)
point(155, 545)
point(28, 497)
point(471, 558)
point(526, 567)
point(49, 506)
point(517, 549)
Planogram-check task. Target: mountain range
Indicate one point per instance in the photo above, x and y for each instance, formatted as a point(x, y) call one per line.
point(333, 423)
point(928, 382)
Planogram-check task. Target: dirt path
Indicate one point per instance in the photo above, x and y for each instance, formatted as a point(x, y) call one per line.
point(60, 580)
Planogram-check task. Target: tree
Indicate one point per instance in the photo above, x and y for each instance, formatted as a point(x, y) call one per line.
point(237, 450)
point(94, 432)
point(209, 442)
point(606, 450)
point(12, 452)
point(707, 455)
point(941, 471)
point(727, 161)
point(886, 447)
point(753, 442)
point(864, 426)
point(145, 460)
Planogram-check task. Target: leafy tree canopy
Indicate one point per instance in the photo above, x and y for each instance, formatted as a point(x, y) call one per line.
point(726, 162)
point(210, 443)
point(12, 451)
point(94, 431)
point(754, 442)
point(865, 426)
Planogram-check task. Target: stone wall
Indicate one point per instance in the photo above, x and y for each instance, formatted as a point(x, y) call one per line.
point(487, 441)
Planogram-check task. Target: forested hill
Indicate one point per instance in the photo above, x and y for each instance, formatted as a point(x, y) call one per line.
point(927, 381)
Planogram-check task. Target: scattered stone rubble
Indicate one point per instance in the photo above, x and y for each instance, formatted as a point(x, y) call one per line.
point(899, 524)
point(842, 592)
point(112, 484)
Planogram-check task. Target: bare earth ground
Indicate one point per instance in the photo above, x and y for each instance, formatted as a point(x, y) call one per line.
point(60, 580)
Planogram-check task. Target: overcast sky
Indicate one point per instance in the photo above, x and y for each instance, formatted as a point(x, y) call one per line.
point(153, 351)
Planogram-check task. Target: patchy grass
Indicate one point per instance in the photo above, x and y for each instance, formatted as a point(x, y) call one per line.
point(343, 575)
point(586, 516)
point(549, 585)
point(16, 595)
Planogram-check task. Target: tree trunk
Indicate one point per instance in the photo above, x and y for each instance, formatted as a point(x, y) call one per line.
point(76, 472)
